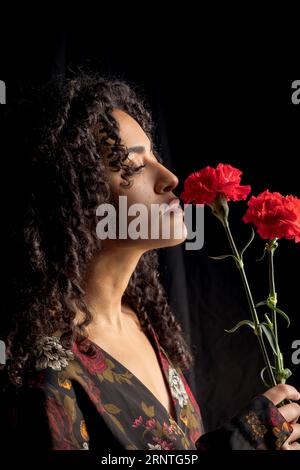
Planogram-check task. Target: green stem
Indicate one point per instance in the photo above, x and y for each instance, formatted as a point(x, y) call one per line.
point(251, 303)
point(272, 290)
point(271, 247)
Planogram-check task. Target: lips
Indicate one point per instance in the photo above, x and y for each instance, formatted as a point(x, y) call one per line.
point(174, 203)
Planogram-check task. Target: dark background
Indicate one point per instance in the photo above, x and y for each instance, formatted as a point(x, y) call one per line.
point(207, 111)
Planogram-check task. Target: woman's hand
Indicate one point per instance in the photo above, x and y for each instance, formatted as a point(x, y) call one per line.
point(290, 412)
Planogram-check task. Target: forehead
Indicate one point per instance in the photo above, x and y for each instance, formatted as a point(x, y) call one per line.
point(131, 132)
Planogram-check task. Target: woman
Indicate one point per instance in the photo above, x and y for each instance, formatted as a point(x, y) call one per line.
point(95, 356)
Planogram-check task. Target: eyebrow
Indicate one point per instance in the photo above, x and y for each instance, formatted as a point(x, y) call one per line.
point(141, 149)
point(137, 149)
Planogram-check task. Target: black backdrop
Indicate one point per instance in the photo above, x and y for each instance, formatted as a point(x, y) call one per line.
point(205, 114)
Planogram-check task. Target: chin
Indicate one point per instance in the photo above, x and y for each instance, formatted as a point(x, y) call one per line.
point(173, 240)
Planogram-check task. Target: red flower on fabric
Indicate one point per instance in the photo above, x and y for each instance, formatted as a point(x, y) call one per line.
point(94, 393)
point(37, 379)
point(137, 422)
point(204, 186)
point(60, 422)
point(150, 423)
point(274, 215)
point(275, 417)
point(94, 364)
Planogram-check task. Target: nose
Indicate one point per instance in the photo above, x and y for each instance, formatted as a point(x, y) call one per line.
point(166, 181)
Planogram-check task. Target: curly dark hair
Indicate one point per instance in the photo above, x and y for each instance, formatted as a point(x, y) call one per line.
point(61, 131)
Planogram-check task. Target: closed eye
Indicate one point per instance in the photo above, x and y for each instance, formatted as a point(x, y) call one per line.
point(140, 167)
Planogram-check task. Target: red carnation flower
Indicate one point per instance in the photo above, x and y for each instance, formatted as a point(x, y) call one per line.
point(204, 186)
point(274, 215)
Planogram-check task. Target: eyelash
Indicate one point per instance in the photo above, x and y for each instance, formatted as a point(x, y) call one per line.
point(140, 167)
point(135, 170)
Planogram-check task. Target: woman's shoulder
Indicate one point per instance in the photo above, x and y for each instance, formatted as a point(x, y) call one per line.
point(57, 366)
point(53, 364)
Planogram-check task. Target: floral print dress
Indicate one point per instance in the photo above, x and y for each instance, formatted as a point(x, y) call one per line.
point(78, 402)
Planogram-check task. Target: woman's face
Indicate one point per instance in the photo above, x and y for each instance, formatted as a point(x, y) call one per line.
point(152, 188)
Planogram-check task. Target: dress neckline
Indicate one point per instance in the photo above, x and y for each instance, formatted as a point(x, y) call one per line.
point(159, 351)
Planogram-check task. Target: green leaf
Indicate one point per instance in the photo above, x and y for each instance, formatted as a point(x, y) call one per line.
point(270, 324)
point(262, 375)
point(262, 257)
point(148, 410)
point(111, 408)
point(270, 336)
point(284, 315)
point(260, 304)
point(241, 323)
point(249, 242)
point(117, 423)
point(222, 257)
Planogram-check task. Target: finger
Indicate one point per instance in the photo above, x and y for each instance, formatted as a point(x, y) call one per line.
point(290, 412)
point(294, 446)
point(291, 441)
point(295, 434)
point(282, 392)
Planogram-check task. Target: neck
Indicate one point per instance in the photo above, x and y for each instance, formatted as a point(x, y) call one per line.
point(108, 275)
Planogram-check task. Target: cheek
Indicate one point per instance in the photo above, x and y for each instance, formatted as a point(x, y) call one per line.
point(139, 204)
point(114, 182)
point(138, 193)
point(135, 198)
